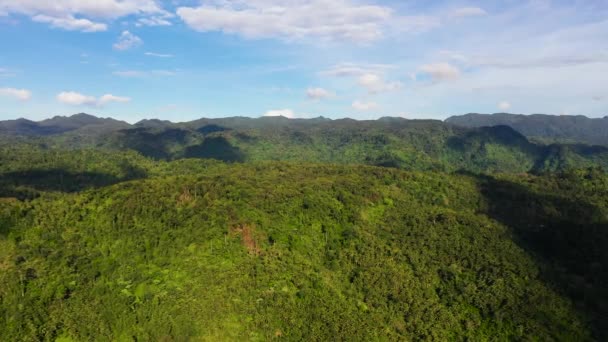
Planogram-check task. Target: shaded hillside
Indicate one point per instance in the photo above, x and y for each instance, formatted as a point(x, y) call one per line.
point(545, 128)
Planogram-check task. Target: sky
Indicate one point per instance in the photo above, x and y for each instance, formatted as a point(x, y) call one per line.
point(181, 60)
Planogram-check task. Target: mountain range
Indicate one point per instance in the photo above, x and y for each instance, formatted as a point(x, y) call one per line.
point(393, 142)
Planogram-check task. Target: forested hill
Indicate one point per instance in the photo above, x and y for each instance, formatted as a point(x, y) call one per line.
point(392, 142)
point(112, 246)
point(544, 128)
point(304, 230)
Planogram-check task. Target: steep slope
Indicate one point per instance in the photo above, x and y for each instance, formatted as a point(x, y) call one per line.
point(546, 128)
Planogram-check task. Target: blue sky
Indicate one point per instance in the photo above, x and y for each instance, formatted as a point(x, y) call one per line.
point(185, 59)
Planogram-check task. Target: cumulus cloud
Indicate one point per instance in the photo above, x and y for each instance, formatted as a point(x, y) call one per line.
point(288, 113)
point(127, 40)
point(336, 20)
point(441, 71)
point(504, 105)
point(77, 99)
point(69, 23)
point(19, 94)
point(467, 12)
point(364, 106)
point(318, 93)
point(76, 15)
point(376, 84)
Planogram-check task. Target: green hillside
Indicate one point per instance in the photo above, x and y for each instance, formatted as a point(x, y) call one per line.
point(258, 229)
point(135, 249)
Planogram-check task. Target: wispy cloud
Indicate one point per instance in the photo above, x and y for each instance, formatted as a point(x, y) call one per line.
point(504, 105)
point(375, 84)
point(355, 69)
point(19, 94)
point(160, 55)
point(144, 73)
point(4, 72)
point(441, 71)
point(73, 98)
point(318, 94)
point(467, 12)
point(364, 106)
point(70, 23)
point(155, 21)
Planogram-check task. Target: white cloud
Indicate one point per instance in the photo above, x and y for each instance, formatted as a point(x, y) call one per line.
point(77, 99)
point(441, 71)
point(504, 105)
point(144, 73)
point(160, 55)
point(318, 93)
point(110, 9)
point(70, 23)
point(354, 69)
point(127, 40)
point(19, 94)
point(153, 21)
point(335, 20)
point(375, 84)
point(77, 14)
point(111, 98)
point(364, 106)
point(288, 113)
point(467, 12)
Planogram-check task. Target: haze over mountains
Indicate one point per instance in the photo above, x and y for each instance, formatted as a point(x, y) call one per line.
point(547, 128)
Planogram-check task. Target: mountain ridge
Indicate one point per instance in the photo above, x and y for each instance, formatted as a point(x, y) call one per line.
point(543, 127)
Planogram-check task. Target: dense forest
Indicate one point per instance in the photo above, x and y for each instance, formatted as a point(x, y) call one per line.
point(242, 229)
